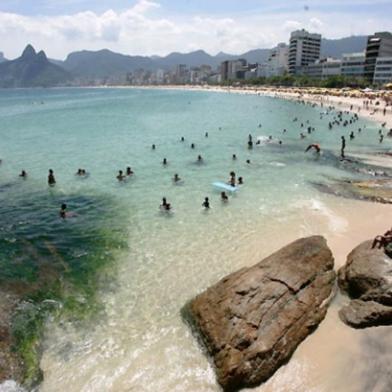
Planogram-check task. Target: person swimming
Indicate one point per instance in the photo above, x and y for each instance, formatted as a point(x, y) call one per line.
point(234, 157)
point(153, 147)
point(63, 211)
point(315, 146)
point(352, 137)
point(23, 174)
point(240, 181)
point(193, 145)
point(165, 205)
point(120, 176)
point(164, 162)
point(248, 161)
point(206, 203)
point(206, 134)
point(182, 139)
point(199, 159)
point(51, 179)
point(81, 173)
point(224, 197)
point(176, 178)
point(129, 171)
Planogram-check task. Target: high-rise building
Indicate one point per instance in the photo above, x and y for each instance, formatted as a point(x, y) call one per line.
point(235, 69)
point(378, 45)
point(304, 49)
point(383, 70)
point(278, 60)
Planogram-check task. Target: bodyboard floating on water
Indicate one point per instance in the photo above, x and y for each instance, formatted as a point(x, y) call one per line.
point(224, 186)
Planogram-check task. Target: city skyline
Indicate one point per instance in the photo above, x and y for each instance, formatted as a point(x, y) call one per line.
point(160, 27)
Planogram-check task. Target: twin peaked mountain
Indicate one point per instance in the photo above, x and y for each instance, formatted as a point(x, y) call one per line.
point(88, 67)
point(31, 70)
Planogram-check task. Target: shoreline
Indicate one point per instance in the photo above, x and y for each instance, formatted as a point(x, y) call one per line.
point(329, 98)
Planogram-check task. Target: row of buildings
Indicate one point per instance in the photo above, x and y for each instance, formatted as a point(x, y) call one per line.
point(180, 74)
point(302, 57)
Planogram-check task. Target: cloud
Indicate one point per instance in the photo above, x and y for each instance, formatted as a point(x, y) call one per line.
point(315, 24)
point(147, 28)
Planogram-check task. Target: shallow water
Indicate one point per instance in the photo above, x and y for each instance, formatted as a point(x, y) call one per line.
point(138, 340)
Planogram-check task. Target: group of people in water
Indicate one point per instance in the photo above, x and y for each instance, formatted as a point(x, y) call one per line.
point(338, 120)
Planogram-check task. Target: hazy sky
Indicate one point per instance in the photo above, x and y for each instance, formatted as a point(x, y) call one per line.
point(147, 27)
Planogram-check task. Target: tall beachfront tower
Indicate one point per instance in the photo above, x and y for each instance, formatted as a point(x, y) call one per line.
point(304, 49)
point(378, 45)
point(278, 60)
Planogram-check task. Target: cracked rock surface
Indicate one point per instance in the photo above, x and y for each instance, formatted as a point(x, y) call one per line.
point(367, 279)
point(252, 320)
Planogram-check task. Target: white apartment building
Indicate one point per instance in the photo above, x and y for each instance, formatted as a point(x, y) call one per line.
point(278, 61)
point(304, 49)
point(322, 69)
point(353, 64)
point(383, 70)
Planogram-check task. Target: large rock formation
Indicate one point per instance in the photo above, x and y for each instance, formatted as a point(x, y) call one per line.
point(32, 70)
point(252, 320)
point(367, 278)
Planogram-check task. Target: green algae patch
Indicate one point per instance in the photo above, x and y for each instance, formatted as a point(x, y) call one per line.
point(53, 265)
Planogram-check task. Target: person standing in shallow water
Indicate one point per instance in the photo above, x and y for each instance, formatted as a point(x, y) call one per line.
point(206, 203)
point(51, 179)
point(343, 147)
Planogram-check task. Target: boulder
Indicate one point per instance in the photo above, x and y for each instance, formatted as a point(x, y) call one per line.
point(367, 279)
point(362, 314)
point(252, 320)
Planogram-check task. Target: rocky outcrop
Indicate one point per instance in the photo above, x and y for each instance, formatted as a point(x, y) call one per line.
point(252, 320)
point(367, 279)
point(378, 191)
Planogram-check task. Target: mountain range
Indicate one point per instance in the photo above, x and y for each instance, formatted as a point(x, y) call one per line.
point(85, 67)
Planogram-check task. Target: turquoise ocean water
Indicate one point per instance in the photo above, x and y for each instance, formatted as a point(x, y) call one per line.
point(139, 341)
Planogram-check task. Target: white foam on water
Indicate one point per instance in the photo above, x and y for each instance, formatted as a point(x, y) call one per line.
point(318, 208)
point(11, 386)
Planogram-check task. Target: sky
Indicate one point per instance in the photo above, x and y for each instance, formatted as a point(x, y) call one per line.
point(159, 27)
